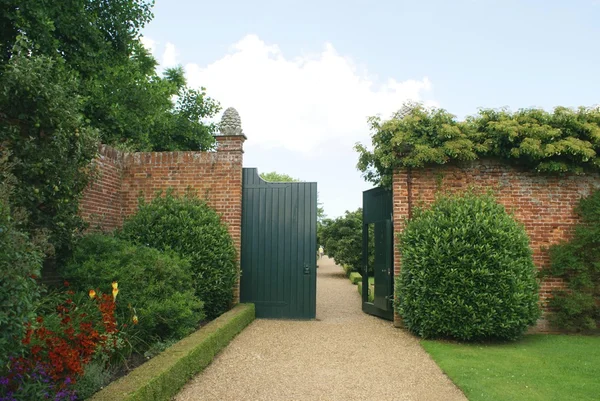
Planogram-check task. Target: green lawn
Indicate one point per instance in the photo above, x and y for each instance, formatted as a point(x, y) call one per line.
point(539, 367)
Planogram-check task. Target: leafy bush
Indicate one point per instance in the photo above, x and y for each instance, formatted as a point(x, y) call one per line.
point(578, 262)
point(563, 141)
point(467, 271)
point(20, 263)
point(158, 285)
point(191, 228)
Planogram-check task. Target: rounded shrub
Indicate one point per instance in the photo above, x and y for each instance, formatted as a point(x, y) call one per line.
point(467, 271)
point(158, 285)
point(191, 228)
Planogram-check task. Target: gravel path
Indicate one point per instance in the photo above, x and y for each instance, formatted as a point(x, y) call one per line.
point(344, 354)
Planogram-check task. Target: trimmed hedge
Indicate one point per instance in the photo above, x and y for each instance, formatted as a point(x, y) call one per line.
point(370, 296)
point(162, 377)
point(355, 277)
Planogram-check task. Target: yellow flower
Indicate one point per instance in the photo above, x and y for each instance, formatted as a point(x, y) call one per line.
point(115, 291)
point(92, 294)
point(135, 319)
point(115, 285)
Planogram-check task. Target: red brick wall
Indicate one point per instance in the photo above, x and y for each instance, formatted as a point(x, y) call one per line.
point(544, 204)
point(123, 177)
point(101, 204)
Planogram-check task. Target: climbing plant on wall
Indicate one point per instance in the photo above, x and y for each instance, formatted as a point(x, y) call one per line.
point(563, 141)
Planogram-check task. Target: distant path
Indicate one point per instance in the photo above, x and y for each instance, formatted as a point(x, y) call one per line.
point(343, 355)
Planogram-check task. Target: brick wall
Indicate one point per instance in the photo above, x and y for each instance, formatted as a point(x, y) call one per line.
point(544, 204)
point(102, 201)
point(123, 177)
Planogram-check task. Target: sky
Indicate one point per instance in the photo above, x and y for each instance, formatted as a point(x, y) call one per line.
point(305, 75)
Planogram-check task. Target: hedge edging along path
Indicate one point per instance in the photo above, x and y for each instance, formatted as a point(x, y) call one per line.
point(164, 375)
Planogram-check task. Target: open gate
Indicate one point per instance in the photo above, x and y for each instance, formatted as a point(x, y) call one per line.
point(378, 253)
point(279, 240)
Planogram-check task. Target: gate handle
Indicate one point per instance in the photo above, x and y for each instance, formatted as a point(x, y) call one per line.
point(306, 269)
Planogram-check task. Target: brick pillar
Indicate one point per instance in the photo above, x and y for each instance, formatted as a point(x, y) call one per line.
point(401, 211)
point(230, 146)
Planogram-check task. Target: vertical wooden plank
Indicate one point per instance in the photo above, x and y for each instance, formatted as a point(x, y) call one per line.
point(313, 251)
point(307, 260)
point(260, 231)
point(281, 235)
point(301, 253)
point(255, 242)
point(243, 239)
point(287, 218)
point(267, 243)
point(293, 250)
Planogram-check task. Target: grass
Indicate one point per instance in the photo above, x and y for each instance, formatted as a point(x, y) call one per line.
point(537, 368)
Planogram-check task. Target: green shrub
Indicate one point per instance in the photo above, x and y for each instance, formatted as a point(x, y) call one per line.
point(578, 262)
point(343, 241)
point(191, 228)
point(467, 271)
point(20, 262)
point(158, 285)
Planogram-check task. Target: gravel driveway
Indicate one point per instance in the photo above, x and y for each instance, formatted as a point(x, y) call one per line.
point(344, 354)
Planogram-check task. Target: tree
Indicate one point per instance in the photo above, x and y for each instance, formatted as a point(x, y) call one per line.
point(48, 142)
point(122, 94)
point(20, 262)
point(274, 176)
point(74, 72)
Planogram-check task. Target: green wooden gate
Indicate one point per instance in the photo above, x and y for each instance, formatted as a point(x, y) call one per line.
point(279, 239)
point(377, 219)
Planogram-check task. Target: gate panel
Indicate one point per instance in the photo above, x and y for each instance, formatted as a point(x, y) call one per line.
point(383, 268)
point(279, 235)
point(377, 210)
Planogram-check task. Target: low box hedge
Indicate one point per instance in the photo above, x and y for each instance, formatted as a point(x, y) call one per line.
point(164, 375)
point(355, 277)
point(370, 296)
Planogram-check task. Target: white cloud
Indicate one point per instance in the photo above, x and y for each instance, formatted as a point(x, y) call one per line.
point(169, 58)
point(149, 44)
point(298, 103)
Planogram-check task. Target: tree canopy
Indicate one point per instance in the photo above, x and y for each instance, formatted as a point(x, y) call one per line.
point(73, 73)
point(122, 94)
